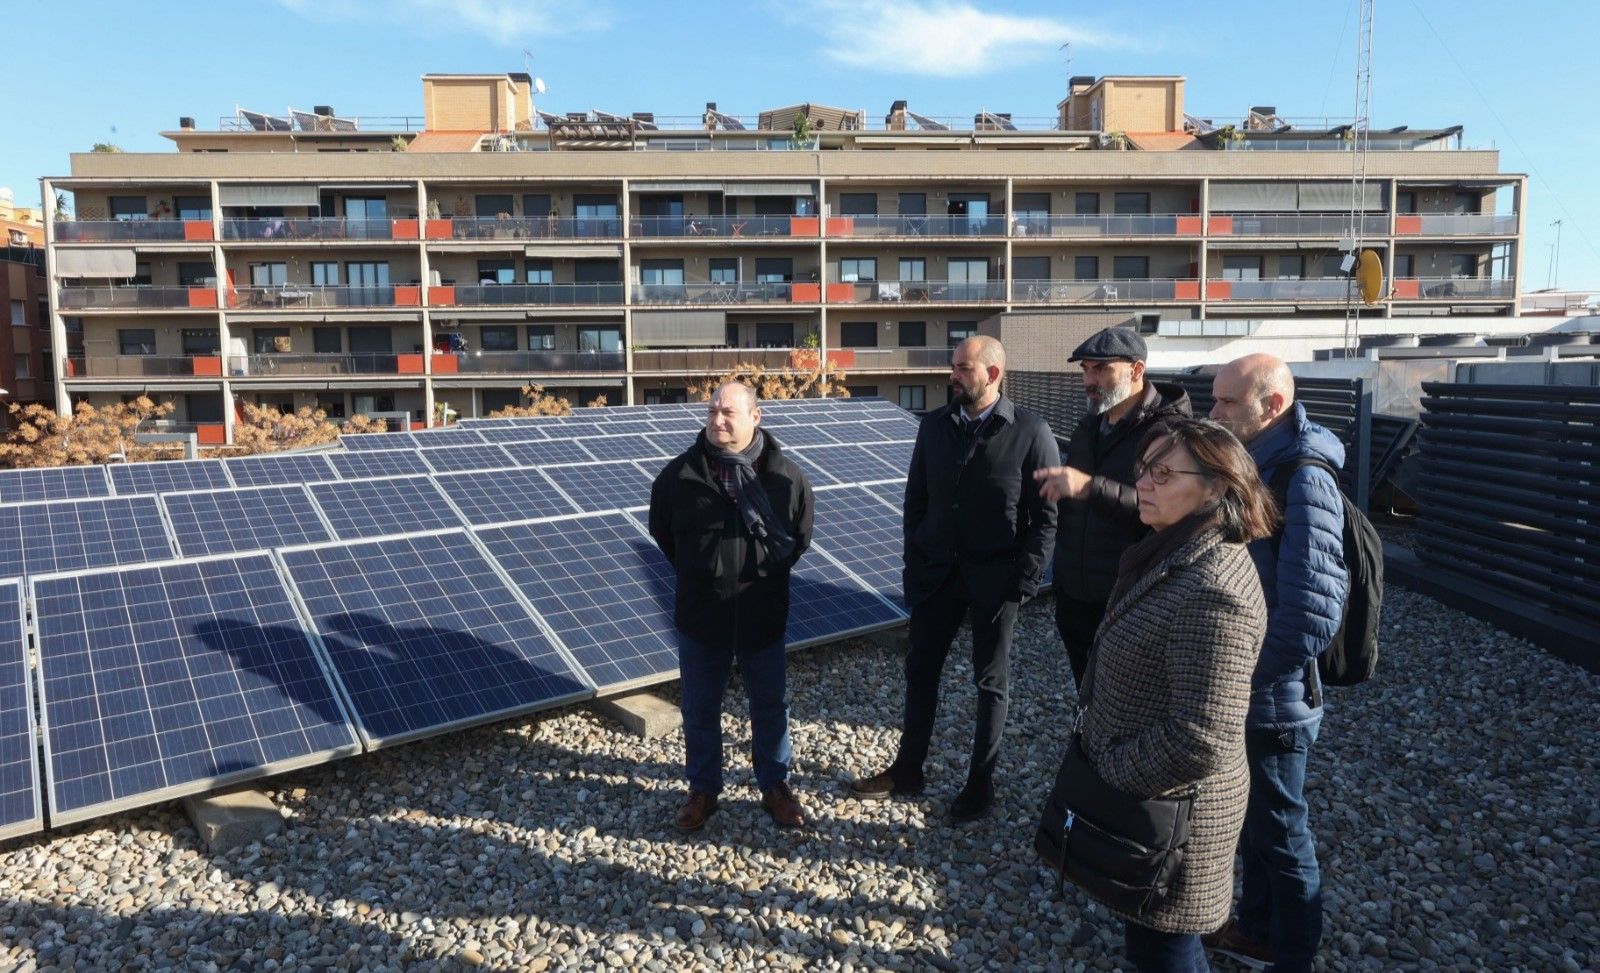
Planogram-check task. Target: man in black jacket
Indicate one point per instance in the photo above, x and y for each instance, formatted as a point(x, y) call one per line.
point(1099, 505)
point(976, 536)
point(733, 515)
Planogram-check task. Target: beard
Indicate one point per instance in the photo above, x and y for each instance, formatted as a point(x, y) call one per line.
point(962, 396)
point(1107, 399)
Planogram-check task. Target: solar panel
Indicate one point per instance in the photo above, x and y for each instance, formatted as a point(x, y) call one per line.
point(603, 486)
point(454, 459)
point(390, 505)
point(163, 680)
point(896, 455)
point(451, 436)
point(54, 483)
point(169, 476)
point(426, 635)
point(803, 435)
point(243, 519)
point(280, 468)
point(671, 443)
point(854, 432)
point(863, 533)
point(504, 496)
point(633, 446)
point(602, 586)
point(19, 766)
point(827, 602)
point(546, 453)
point(68, 535)
point(379, 440)
point(894, 494)
point(377, 462)
point(843, 464)
point(689, 424)
point(512, 434)
point(618, 426)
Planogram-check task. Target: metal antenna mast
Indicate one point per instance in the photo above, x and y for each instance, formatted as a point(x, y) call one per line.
point(1360, 129)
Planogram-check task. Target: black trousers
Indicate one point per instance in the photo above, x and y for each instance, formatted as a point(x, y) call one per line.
point(1077, 621)
point(934, 624)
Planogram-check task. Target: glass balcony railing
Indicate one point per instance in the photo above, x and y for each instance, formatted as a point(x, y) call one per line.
point(127, 296)
point(302, 296)
point(993, 225)
point(1456, 224)
point(267, 364)
point(711, 226)
point(539, 294)
point(926, 291)
point(1108, 225)
point(285, 228)
point(119, 231)
point(1102, 291)
point(1329, 289)
point(1331, 225)
point(538, 362)
point(136, 366)
point(896, 359)
point(535, 227)
point(700, 292)
point(1452, 288)
point(711, 361)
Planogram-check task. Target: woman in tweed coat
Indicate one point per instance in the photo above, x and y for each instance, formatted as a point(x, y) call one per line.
point(1172, 665)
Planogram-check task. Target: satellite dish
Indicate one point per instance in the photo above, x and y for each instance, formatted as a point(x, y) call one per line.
point(1369, 275)
point(538, 85)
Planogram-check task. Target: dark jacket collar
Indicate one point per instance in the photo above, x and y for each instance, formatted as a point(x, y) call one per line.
point(1003, 409)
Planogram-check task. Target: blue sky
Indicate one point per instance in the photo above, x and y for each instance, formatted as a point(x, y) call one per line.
point(85, 71)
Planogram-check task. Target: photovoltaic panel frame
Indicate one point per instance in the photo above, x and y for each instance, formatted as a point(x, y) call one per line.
point(864, 533)
point(169, 476)
point(842, 464)
point(547, 453)
point(389, 505)
point(53, 483)
point(280, 468)
point(378, 440)
point(243, 519)
point(631, 446)
point(458, 459)
point(603, 486)
point(21, 809)
point(71, 535)
point(505, 496)
point(377, 462)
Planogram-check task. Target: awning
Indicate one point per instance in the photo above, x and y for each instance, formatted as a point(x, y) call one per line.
point(680, 329)
point(680, 186)
point(768, 189)
point(600, 251)
point(95, 263)
point(268, 195)
point(1334, 197)
point(1290, 197)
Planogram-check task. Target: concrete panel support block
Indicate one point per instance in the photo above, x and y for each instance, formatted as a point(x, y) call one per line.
point(643, 714)
point(228, 819)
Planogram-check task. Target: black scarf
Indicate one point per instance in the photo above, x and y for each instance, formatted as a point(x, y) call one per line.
point(737, 473)
point(1140, 559)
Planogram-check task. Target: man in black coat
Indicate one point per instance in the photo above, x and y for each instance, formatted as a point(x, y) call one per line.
point(976, 536)
point(733, 515)
point(1099, 505)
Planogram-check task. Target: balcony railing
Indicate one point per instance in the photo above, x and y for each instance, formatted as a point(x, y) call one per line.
point(522, 362)
point(119, 231)
point(133, 296)
point(928, 291)
point(711, 226)
point(268, 364)
point(1104, 291)
point(712, 361)
point(699, 292)
point(1334, 225)
point(1455, 224)
point(1107, 225)
point(894, 359)
point(302, 296)
point(135, 366)
point(1328, 289)
point(993, 225)
point(278, 229)
point(1452, 288)
point(542, 294)
point(535, 227)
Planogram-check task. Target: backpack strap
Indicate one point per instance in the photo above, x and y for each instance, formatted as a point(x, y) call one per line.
point(1279, 486)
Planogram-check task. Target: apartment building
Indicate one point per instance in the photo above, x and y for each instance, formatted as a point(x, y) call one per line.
point(414, 265)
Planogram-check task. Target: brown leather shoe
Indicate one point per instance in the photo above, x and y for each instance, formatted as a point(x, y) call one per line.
point(694, 813)
point(1231, 941)
point(888, 784)
point(780, 802)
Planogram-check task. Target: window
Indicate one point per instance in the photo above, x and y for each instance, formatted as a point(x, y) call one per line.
point(913, 334)
point(489, 206)
point(541, 337)
point(496, 399)
point(1241, 267)
point(325, 273)
point(1466, 203)
point(327, 341)
point(858, 204)
point(661, 272)
point(25, 365)
point(366, 208)
point(913, 268)
point(969, 279)
point(862, 391)
point(192, 207)
point(366, 405)
point(959, 331)
point(1086, 204)
point(195, 273)
point(269, 275)
point(1405, 201)
point(1130, 268)
point(497, 271)
point(201, 341)
point(1405, 265)
point(265, 341)
point(535, 204)
point(724, 270)
point(858, 268)
point(331, 403)
point(136, 341)
point(1030, 268)
point(913, 204)
point(141, 274)
point(498, 337)
point(600, 339)
point(1463, 265)
point(19, 314)
point(129, 208)
point(774, 270)
point(858, 334)
point(1330, 265)
point(541, 272)
point(775, 335)
point(1130, 203)
point(914, 398)
point(1291, 266)
point(1086, 268)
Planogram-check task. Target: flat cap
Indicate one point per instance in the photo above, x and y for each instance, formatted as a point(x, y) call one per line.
point(1111, 344)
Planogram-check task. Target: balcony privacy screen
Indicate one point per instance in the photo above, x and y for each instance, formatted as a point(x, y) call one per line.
point(268, 195)
point(1290, 197)
point(680, 329)
point(95, 263)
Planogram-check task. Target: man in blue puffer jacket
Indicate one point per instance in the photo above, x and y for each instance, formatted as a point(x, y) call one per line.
point(1303, 575)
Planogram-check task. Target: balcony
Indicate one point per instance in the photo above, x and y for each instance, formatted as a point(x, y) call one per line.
point(743, 292)
point(143, 366)
point(891, 359)
point(315, 228)
point(540, 362)
point(288, 365)
point(1453, 289)
point(882, 227)
point(502, 295)
point(716, 226)
point(132, 231)
point(716, 361)
point(137, 297)
point(1112, 225)
point(1329, 225)
point(923, 292)
point(1118, 290)
point(1455, 224)
point(1328, 289)
point(528, 228)
point(302, 297)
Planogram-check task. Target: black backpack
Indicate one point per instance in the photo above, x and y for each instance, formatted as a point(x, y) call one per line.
point(1352, 656)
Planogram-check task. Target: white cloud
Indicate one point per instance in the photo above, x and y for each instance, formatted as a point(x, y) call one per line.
point(946, 39)
point(511, 23)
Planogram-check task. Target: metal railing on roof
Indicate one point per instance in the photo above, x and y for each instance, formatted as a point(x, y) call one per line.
point(260, 122)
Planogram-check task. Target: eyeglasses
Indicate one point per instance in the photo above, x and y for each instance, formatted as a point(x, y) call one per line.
point(1160, 473)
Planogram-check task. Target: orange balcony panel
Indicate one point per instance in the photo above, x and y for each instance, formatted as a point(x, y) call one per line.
point(208, 366)
point(1186, 290)
point(197, 230)
point(438, 296)
point(1220, 226)
point(211, 434)
point(1218, 290)
point(404, 229)
point(409, 364)
point(803, 358)
point(202, 297)
point(841, 226)
point(842, 358)
point(407, 296)
point(1188, 226)
point(841, 293)
point(805, 225)
point(1409, 289)
point(440, 229)
point(1408, 225)
point(72, 368)
point(805, 293)
point(418, 424)
point(446, 365)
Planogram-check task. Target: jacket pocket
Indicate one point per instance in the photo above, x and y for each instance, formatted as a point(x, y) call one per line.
point(697, 538)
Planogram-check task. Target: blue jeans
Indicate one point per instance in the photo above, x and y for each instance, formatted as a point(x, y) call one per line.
point(704, 672)
point(1154, 951)
point(1282, 901)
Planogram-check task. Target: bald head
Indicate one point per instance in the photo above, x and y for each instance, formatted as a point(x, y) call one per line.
point(976, 368)
point(736, 393)
point(986, 350)
point(1252, 394)
point(732, 416)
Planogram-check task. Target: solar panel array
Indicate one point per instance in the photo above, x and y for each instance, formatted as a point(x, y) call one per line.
point(202, 622)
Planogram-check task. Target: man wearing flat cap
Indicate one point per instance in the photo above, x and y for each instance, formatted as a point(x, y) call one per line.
point(1098, 506)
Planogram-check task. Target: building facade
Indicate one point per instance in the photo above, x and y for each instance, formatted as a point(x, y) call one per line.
point(444, 262)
